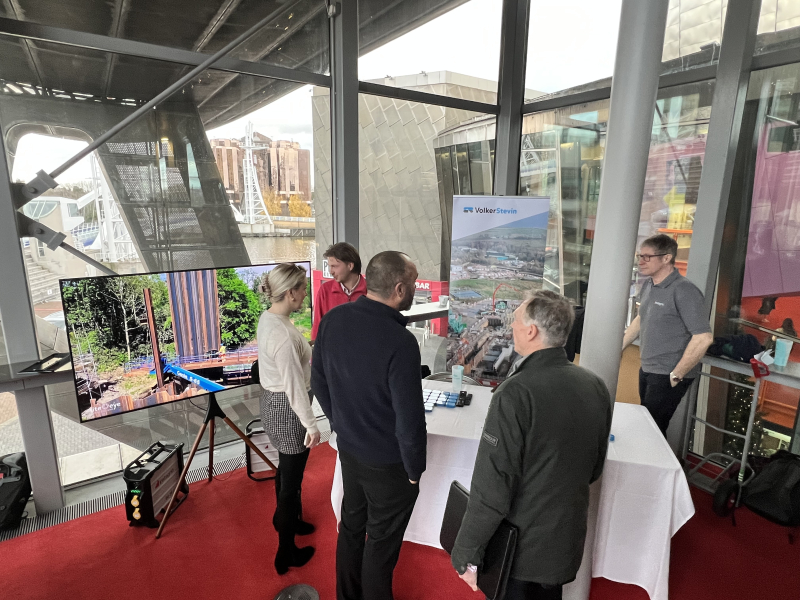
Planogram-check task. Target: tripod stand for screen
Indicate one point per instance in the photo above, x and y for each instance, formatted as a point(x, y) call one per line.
point(212, 412)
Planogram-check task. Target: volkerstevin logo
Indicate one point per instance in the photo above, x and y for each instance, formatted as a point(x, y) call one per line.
point(490, 211)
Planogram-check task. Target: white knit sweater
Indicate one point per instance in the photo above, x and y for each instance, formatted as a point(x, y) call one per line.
point(284, 364)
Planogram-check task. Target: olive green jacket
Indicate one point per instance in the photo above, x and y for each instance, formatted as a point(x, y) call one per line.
point(543, 443)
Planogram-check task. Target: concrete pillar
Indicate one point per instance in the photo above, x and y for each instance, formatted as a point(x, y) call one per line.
point(633, 98)
point(19, 331)
point(344, 122)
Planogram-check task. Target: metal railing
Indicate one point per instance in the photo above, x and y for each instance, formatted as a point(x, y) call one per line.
point(241, 356)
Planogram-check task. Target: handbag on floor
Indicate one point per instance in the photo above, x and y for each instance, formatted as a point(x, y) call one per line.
point(775, 492)
point(499, 556)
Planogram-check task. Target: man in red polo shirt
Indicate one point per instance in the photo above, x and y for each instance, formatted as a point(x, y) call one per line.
point(348, 284)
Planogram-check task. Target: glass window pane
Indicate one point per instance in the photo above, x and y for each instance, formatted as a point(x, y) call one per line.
point(160, 195)
point(693, 34)
point(457, 53)
point(562, 158)
point(10, 433)
point(762, 275)
point(296, 37)
point(778, 25)
point(570, 43)
point(401, 206)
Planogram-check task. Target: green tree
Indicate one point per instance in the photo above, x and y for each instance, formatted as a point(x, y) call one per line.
point(106, 316)
point(239, 309)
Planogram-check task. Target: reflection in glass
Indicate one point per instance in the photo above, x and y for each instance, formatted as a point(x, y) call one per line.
point(158, 181)
point(760, 284)
point(561, 157)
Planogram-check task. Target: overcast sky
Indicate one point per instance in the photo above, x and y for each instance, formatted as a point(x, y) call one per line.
point(571, 42)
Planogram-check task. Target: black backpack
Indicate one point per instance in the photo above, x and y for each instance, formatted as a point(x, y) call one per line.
point(775, 492)
point(15, 489)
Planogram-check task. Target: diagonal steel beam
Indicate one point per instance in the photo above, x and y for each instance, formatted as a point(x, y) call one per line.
point(117, 26)
point(219, 19)
point(44, 181)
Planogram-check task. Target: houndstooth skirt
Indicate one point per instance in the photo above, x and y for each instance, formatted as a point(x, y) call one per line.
point(281, 423)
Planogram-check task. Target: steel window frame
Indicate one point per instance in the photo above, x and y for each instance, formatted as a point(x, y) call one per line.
point(511, 95)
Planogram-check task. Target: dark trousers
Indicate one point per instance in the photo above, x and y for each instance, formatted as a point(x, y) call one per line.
point(660, 398)
point(288, 483)
point(376, 508)
point(516, 589)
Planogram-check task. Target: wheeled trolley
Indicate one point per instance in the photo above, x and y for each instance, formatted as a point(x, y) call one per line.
point(727, 491)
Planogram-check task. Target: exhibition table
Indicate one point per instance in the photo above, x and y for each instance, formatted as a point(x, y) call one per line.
point(644, 496)
point(644, 500)
point(453, 436)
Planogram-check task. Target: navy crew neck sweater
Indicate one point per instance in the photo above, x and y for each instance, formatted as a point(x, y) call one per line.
point(365, 373)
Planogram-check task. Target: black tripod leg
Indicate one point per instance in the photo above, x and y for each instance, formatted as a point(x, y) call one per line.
point(181, 478)
point(247, 441)
point(211, 429)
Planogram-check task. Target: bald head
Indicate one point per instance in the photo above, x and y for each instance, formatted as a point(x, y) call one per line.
point(391, 276)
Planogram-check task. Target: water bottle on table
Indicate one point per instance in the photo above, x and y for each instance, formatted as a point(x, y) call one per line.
point(458, 377)
point(782, 350)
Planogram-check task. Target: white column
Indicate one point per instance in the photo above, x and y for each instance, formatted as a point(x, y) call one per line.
point(633, 98)
point(630, 123)
point(19, 332)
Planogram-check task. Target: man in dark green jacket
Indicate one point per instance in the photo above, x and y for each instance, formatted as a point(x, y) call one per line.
point(543, 443)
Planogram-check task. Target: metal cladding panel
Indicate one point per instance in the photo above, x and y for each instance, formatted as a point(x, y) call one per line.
point(195, 310)
point(148, 168)
point(400, 207)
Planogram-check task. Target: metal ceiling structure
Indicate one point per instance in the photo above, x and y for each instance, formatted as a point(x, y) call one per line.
point(296, 39)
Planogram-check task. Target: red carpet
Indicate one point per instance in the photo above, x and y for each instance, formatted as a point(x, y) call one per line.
point(220, 544)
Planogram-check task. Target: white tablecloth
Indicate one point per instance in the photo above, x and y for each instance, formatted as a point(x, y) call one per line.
point(644, 497)
point(644, 500)
point(453, 436)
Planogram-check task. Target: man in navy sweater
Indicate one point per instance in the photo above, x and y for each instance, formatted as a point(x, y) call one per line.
point(365, 372)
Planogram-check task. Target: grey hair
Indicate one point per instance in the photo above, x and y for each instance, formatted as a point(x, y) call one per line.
point(552, 314)
point(281, 279)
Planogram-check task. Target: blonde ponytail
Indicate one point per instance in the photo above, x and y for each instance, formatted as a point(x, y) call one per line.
point(281, 279)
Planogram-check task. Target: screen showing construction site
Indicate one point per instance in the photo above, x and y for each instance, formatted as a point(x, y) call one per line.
point(142, 340)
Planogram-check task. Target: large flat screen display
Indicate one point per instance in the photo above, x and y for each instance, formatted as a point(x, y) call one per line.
point(142, 340)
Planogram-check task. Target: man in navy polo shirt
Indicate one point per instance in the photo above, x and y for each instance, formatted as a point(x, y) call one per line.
point(672, 328)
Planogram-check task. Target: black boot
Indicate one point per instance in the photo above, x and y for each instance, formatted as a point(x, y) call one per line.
point(288, 554)
point(293, 557)
point(300, 526)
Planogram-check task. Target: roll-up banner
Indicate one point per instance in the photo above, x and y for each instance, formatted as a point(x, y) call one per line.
point(497, 255)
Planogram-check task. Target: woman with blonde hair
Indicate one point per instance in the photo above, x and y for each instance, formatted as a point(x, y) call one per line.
point(284, 358)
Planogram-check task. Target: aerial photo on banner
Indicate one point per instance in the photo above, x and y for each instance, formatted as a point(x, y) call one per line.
point(497, 254)
point(142, 340)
